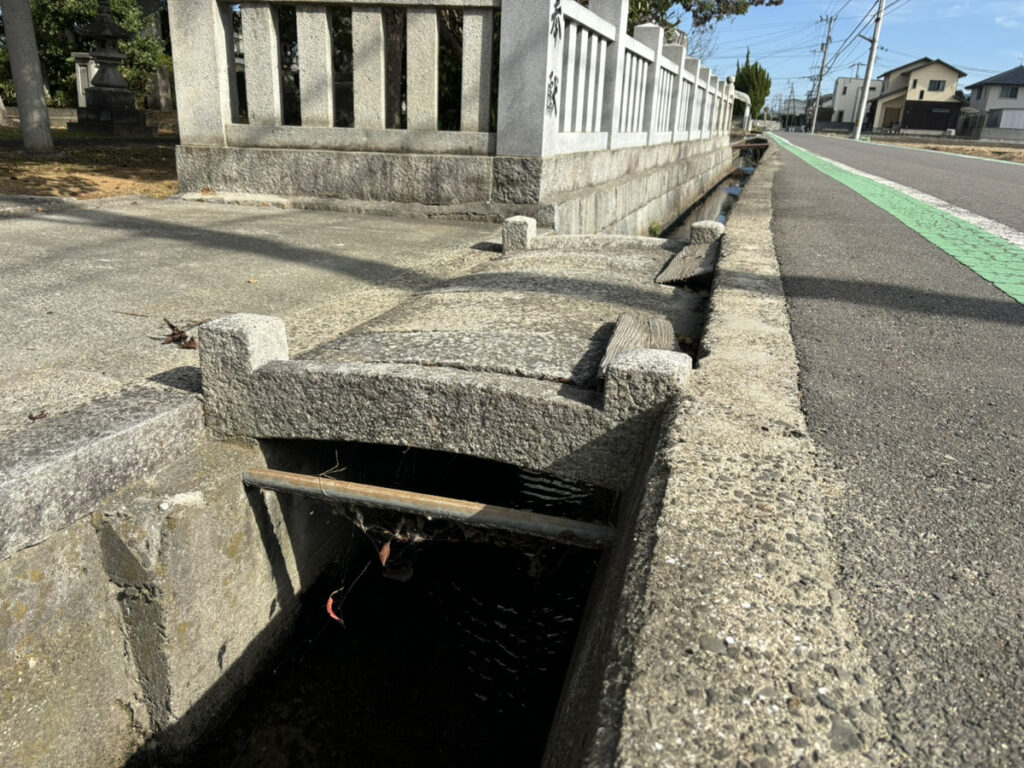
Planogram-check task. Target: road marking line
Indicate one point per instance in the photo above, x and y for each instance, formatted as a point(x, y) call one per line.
point(992, 250)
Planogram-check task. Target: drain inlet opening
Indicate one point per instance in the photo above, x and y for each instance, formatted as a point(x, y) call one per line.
point(451, 644)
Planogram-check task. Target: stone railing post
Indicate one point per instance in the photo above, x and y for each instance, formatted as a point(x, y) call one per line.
point(693, 102)
point(703, 102)
point(204, 69)
point(677, 55)
point(653, 37)
point(368, 101)
point(615, 12)
point(529, 86)
point(712, 109)
point(730, 94)
point(316, 71)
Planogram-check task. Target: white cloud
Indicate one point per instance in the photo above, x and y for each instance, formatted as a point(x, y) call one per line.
point(1007, 22)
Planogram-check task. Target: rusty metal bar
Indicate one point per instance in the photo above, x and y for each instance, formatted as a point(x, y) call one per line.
point(560, 529)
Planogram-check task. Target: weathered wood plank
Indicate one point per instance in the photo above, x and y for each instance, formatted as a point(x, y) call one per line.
point(694, 261)
point(637, 331)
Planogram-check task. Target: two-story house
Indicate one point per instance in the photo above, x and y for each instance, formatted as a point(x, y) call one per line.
point(846, 96)
point(919, 97)
point(999, 102)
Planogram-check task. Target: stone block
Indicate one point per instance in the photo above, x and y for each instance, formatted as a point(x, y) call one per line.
point(703, 232)
point(231, 349)
point(518, 233)
point(639, 380)
point(51, 475)
point(68, 696)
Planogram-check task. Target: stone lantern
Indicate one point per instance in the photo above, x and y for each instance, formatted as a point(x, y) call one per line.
point(109, 101)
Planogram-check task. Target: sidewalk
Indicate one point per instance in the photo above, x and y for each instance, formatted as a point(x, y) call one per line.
point(87, 287)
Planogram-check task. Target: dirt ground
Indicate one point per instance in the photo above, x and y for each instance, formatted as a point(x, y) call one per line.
point(86, 170)
point(1009, 153)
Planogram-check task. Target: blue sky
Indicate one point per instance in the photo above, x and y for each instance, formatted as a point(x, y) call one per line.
point(980, 37)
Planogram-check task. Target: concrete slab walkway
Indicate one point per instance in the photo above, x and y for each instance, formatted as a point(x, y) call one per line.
point(86, 287)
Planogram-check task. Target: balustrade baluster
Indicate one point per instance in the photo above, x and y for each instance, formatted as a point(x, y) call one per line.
point(477, 31)
point(261, 44)
point(422, 50)
point(316, 71)
point(569, 75)
point(581, 77)
point(368, 66)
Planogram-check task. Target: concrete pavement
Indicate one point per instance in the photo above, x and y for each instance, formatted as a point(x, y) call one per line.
point(910, 374)
point(86, 287)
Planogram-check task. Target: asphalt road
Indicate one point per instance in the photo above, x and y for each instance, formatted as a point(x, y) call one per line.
point(912, 375)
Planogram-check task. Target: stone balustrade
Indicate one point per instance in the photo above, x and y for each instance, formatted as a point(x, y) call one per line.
point(536, 78)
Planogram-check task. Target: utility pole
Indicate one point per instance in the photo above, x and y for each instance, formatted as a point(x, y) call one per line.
point(821, 73)
point(856, 72)
point(863, 101)
point(792, 103)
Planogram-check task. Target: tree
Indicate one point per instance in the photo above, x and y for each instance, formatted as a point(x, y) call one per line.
point(28, 78)
point(55, 22)
point(754, 81)
point(703, 13)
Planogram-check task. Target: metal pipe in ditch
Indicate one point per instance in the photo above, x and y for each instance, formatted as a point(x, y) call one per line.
point(560, 529)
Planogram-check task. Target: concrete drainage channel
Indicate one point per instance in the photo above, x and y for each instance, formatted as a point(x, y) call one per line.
point(438, 608)
point(549, 380)
point(446, 617)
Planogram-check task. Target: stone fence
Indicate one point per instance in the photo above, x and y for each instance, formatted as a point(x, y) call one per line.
point(536, 80)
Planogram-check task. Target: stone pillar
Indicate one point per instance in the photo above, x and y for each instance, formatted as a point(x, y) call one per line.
point(653, 37)
point(204, 69)
point(677, 55)
point(693, 106)
point(28, 75)
point(708, 126)
point(477, 33)
point(85, 71)
point(316, 72)
point(616, 12)
point(368, 67)
point(529, 102)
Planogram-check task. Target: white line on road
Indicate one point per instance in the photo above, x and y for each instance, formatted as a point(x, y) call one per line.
point(992, 227)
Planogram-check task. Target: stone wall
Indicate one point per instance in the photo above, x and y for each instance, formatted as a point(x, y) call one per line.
point(622, 191)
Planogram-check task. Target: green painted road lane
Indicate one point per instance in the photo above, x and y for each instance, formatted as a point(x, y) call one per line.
point(991, 257)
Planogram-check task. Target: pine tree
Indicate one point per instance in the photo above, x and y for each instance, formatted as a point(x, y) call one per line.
point(754, 81)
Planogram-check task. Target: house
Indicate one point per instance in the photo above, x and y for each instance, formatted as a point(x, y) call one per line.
point(997, 107)
point(794, 107)
point(919, 97)
point(846, 96)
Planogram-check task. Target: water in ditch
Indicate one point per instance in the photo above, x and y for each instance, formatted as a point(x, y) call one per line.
point(716, 204)
point(452, 654)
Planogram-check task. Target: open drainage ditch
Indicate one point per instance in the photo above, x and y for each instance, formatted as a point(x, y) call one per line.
point(716, 204)
point(452, 651)
point(431, 641)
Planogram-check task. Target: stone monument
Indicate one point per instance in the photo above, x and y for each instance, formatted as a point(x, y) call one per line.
point(109, 101)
